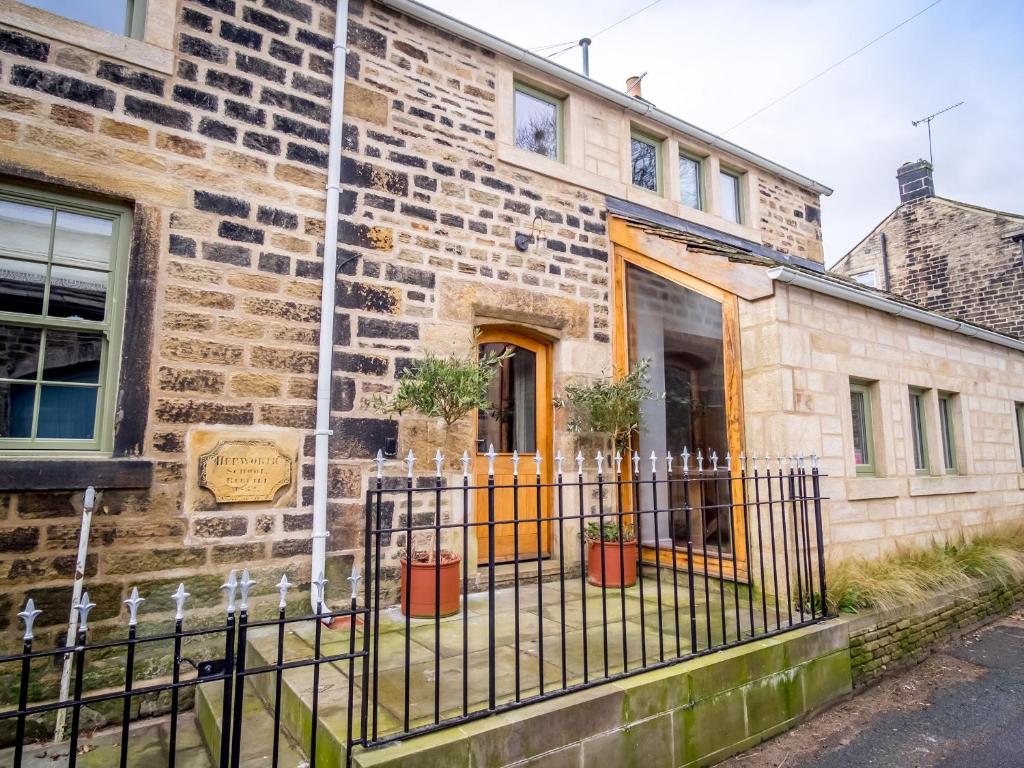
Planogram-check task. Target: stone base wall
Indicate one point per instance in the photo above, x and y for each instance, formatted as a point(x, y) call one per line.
point(883, 643)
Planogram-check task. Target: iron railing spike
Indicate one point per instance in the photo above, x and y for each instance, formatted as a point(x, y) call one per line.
point(243, 587)
point(668, 462)
point(515, 463)
point(29, 615)
point(181, 595)
point(320, 584)
point(599, 458)
point(379, 461)
point(282, 590)
point(84, 607)
point(353, 579)
point(537, 459)
point(438, 462)
point(558, 463)
point(465, 463)
point(133, 604)
point(411, 461)
point(228, 588)
point(491, 456)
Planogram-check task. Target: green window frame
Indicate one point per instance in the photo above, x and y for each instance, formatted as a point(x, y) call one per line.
point(948, 432)
point(135, 19)
point(133, 26)
point(693, 161)
point(638, 142)
point(52, 263)
point(520, 138)
point(1019, 410)
point(863, 440)
point(919, 431)
point(731, 209)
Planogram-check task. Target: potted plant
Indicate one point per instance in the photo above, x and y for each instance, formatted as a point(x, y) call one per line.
point(610, 408)
point(611, 558)
point(446, 388)
point(421, 598)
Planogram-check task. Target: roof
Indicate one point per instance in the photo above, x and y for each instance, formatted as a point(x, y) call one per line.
point(640, 106)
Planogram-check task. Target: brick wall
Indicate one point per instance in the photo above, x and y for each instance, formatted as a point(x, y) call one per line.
point(953, 258)
point(881, 644)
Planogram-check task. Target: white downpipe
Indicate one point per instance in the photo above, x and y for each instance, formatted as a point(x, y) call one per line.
point(880, 302)
point(324, 364)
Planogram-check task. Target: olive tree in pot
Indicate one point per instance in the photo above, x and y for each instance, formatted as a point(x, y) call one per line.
point(607, 411)
point(445, 389)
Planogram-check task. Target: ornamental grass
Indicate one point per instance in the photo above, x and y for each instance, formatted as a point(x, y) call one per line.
point(911, 574)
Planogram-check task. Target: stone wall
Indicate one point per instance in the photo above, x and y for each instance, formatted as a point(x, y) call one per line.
point(954, 258)
point(800, 351)
point(882, 643)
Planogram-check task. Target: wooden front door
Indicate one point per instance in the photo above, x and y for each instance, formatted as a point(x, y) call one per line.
point(518, 419)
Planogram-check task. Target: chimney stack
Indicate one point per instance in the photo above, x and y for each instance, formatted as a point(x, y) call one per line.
point(915, 181)
point(633, 86)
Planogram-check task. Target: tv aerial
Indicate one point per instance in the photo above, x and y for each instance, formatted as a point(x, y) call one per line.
point(928, 121)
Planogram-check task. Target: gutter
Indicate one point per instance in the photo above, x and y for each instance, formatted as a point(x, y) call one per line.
point(326, 354)
point(637, 106)
point(871, 300)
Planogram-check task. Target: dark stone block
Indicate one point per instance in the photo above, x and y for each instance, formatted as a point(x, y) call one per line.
point(314, 86)
point(224, 6)
point(517, 207)
point(595, 228)
point(493, 183)
point(321, 42)
point(261, 142)
point(182, 246)
point(266, 21)
point(401, 159)
point(467, 175)
point(156, 112)
point(238, 255)
point(367, 297)
point(63, 87)
point(215, 129)
point(555, 245)
point(300, 153)
point(247, 38)
point(296, 104)
point(301, 130)
point(284, 52)
point(138, 81)
point(196, 20)
point(275, 262)
point(297, 10)
point(422, 114)
point(374, 177)
point(376, 201)
point(275, 217)
point(419, 212)
point(231, 230)
point(194, 412)
point(342, 329)
point(221, 204)
point(238, 111)
point(442, 170)
point(369, 40)
point(360, 438)
point(378, 328)
point(75, 474)
point(553, 217)
point(187, 70)
point(343, 395)
point(428, 183)
point(185, 94)
point(27, 47)
point(203, 49)
point(230, 83)
point(588, 253)
point(254, 65)
point(396, 273)
point(451, 220)
point(410, 50)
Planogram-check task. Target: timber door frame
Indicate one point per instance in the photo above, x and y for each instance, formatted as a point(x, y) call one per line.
point(621, 256)
point(542, 347)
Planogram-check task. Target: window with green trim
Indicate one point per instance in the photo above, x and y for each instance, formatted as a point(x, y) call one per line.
point(645, 161)
point(860, 412)
point(691, 177)
point(948, 433)
point(122, 17)
point(918, 431)
point(538, 122)
point(730, 203)
point(63, 264)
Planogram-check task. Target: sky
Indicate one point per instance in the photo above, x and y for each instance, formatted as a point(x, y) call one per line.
point(714, 63)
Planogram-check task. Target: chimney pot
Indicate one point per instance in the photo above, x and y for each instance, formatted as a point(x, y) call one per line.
point(915, 181)
point(633, 86)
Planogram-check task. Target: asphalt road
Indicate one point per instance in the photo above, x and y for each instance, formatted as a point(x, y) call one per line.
point(962, 708)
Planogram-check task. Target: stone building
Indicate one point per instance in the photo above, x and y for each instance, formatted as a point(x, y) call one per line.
point(164, 219)
point(959, 259)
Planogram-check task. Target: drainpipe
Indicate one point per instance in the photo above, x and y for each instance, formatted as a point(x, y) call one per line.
point(324, 367)
point(885, 262)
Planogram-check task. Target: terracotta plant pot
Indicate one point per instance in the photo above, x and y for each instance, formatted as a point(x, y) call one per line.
point(418, 595)
point(609, 551)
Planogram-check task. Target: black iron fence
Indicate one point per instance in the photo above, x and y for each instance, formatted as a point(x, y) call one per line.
point(482, 593)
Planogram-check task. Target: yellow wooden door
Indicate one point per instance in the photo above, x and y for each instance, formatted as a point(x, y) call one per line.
point(519, 419)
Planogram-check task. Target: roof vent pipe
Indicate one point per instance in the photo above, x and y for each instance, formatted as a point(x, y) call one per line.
point(585, 45)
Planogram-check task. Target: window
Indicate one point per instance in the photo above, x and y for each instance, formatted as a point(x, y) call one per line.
point(917, 430)
point(538, 120)
point(866, 278)
point(948, 436)
point(1020, 431)
point(860, 410)
point(731, 207)
point(645, 154)
point(62, 273)
point(122, 17)
point(690, 181)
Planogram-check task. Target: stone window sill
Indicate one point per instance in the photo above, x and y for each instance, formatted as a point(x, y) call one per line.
point(940, 485)
point(868, 487)
point(66, 473)
point(152, 53)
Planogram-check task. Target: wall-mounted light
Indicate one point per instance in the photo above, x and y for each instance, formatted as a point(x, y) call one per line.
point(523, 240)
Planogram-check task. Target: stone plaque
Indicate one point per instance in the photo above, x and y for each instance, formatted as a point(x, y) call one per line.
point(244, 470)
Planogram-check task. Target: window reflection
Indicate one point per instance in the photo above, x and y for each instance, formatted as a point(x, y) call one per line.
point(645, 163)
point(536, 123)
point(511, 421)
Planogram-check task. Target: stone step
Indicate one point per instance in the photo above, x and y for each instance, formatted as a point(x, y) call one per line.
point(257, 740)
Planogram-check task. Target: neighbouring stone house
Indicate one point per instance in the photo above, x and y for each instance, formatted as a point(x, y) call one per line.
point(163, 219)
point(959, 259)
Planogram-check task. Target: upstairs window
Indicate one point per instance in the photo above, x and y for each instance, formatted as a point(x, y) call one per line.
point(122, 17)
point(918, 433)
point(62, 273)
point(690, 172)
point(730, 203)
point(1020, 430)
point(866, 278)
point(948, 434)
point(645, 161)
point(538, 121)
point(860, 412)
